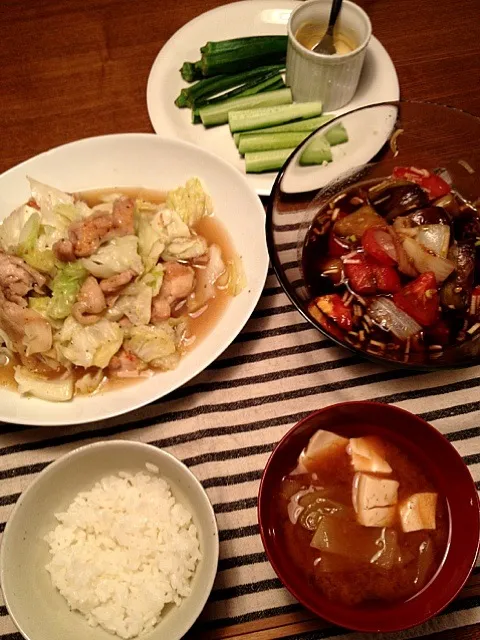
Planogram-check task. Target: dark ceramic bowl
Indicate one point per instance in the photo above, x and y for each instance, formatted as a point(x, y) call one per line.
point(380, 137)
point(442, 464)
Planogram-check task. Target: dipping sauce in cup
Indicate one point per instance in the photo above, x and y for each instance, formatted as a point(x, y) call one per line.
point(332, 79)
point(311, 33)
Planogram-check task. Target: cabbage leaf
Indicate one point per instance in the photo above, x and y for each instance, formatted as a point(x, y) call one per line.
point(91, 345)
point(191, 202)
point(135, 302)
point(53, 390)
point(43, 261)
point(151, 238)
point(154, 279)
point(151, 342)
point(185, 248)
point(116, 256)
point(65, 287)
point(11, 228)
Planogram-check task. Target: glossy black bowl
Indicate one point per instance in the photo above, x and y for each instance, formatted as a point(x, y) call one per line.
point(380, 137)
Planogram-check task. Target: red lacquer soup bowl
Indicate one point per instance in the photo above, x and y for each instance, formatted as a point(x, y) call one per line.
point(441, 463)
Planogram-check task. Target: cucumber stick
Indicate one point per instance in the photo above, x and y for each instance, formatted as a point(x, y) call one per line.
point(336, 134)
point(216, 114)
point(263, 141)
point(259, 161)
point(270, 141)
point(309, 124)
point(317, 151)
point(251, 118)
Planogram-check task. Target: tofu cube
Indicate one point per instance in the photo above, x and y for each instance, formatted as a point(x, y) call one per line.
point(374, 500)
point(377, 517)
point(418, 512)
point(367, 454)
point(323, 447)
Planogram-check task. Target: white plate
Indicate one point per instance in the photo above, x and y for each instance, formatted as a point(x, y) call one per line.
point(379, 82)
point(144, 160)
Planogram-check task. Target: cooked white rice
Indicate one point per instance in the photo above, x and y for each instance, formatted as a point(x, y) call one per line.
point(122, 551)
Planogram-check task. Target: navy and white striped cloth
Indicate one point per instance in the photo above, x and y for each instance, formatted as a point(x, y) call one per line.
point(224, 424)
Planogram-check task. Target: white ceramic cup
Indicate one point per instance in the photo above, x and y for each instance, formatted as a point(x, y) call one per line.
point(332, 79)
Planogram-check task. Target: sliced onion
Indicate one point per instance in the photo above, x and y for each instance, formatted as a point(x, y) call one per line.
point(435, 237)
point(424, 261)
point(389, 317)
point(404, 264)
point(385, 240)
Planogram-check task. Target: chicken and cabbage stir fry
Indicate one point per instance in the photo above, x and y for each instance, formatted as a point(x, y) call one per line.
point(88, 293)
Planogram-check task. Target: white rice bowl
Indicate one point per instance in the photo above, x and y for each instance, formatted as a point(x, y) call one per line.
point(122, 551)
point(179, 566)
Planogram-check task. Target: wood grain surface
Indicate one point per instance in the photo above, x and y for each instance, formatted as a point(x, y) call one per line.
point(70, 69)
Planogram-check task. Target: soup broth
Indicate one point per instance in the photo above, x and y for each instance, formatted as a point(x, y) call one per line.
point(349, 562)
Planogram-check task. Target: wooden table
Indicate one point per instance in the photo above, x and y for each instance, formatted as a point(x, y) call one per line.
point(79, 68)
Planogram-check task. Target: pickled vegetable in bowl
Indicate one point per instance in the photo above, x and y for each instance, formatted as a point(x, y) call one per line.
point(362, 520)
point(387, 236)
point(391, 265)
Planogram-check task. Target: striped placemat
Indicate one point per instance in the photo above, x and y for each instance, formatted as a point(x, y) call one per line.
point(224, 424)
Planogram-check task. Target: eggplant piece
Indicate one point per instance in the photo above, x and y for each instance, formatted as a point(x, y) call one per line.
point(467, 226)
point(394, 198)
point(457, 289)
point(354, 225)
point(430, 215)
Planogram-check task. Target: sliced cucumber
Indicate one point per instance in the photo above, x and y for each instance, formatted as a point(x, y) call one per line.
point(251, 118)
point(270, 141)
point(309, 124)
point(216, 114)
point(317, 151)
point(337, 134)
point(259, 161)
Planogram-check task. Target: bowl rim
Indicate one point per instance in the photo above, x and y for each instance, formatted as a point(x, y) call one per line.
point(333, 618)
point(212, 567)
point(285, 284)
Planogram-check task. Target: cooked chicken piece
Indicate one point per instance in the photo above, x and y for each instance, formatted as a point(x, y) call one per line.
point(122, 217)
point(125, 365)
point(160, 310)
point(125, 322)
point(115, 283)
point(30, 333)
point(178, 283)
point(87, 235)
point(17, 279)
point(90, 302)
point(63, 250)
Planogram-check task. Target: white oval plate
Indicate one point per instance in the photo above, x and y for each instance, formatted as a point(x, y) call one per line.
point(378, 83)
point(144, 160)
